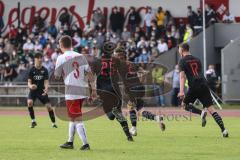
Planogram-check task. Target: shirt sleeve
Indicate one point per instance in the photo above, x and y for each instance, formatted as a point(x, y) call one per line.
point(58, 68)
point(30, 74)
point(87, 68)
point(181, 65)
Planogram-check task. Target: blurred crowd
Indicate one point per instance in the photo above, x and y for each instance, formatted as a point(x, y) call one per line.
point(161, 32)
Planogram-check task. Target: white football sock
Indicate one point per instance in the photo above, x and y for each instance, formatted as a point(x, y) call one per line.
point(71, 131)
point(81, 132)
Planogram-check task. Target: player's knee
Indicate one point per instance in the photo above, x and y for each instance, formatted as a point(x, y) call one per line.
point(211, 109)
point(130, 106)
point(49, 107)
point(30, 103)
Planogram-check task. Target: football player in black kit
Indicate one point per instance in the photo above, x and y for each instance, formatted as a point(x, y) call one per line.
point(135, 91)
point(108, 69)
point(191, 69)
point(38, 85)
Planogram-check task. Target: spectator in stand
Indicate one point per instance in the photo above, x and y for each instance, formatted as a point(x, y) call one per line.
point(156, 32)
point(8, 46)
point(116, 21)
point(158, 81)
point(9, 74)
point(42, 39)
point(28, 47)
point(48, 64)
point(100, 38)
point(87, 29)
point(144, 57)
point(52, 30)
point(175, 86)
point(38, 47)
point(13, 34)
point(98, 18)
point(175, 34)
point(170, 40)
point(14, 58)
point(22, 71)
point(162, 46)
point(168, 19)
point(4, 57)
point(76, 40)
point(65, 18)
point(142, 43)
point(134, 19)
point(192, 16)
point(21, 37)
point(48, 51)
point(125, 34)
point(39, 23)
point(211, 15)
point(182, 29)
point(160, 17)
point(148, 20)
point(199, 17)
point(212, 78)
point(60, 34)
point(100, 28)
point(84, 42)
point(115, 38)
point(55, 55)
point(188, 35)
point(75, 28)
point(228, 18)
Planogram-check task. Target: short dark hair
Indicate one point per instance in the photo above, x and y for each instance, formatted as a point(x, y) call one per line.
point(185, 46)
point(38, 55)
point(66, 41)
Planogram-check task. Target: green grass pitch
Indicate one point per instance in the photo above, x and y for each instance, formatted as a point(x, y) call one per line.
point(183, 140)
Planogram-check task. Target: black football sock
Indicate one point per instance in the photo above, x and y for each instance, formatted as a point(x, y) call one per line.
point(31, 113)
point(133, 117)
point(52, 116)
point(193, 109)
point(125, 128)
point(218, 120)
point(148, 115)
point(122, 120)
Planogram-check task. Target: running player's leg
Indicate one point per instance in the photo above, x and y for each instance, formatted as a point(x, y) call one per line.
point(30, 101)
point(45, 100)
point(123, 122)
point(206, 100)
point(76, 125)
point(133, 117)
point(188, 102)
point(149, 115)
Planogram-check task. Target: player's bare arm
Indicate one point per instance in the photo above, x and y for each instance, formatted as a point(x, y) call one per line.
point(182, 83)
point(31, 86)
point(46, 85)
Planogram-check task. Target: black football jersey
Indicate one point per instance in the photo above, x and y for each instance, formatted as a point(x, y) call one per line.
point(38, 76)
point(193, 69)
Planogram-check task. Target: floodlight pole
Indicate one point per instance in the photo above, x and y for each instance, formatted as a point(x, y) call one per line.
point(204, 40)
